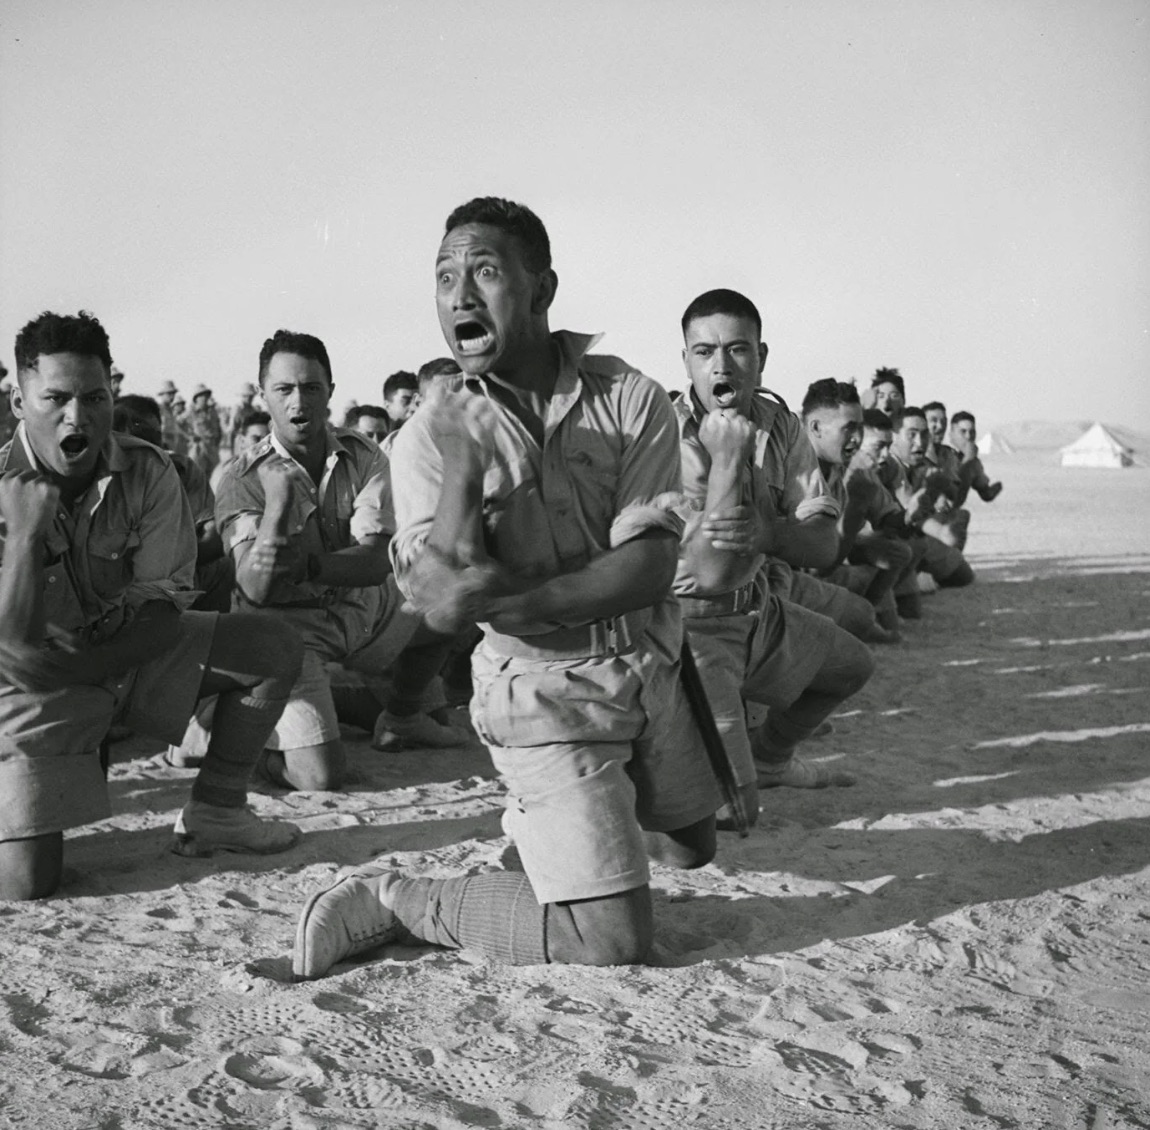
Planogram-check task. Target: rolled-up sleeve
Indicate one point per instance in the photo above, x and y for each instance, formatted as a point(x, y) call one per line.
point(373, 511)
point(239, 508)
point(649, 494)
point(417, 470)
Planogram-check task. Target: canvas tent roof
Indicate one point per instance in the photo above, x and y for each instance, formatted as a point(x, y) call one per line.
point(992, 444)
point(1098, 438)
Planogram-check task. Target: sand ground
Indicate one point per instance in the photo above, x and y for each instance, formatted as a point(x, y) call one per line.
point(961, 940)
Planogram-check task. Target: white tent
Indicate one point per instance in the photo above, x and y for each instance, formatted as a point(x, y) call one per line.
point(1097, 447)
point(991, 444)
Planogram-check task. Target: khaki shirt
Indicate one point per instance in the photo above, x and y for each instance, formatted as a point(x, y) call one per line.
point(606, 472)
point(351, 503)
point(781, 472)
point(129, 539)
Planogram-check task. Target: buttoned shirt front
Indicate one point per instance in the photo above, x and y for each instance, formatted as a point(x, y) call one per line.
point(127, 540)
point(607, 469)
point(781, 471)
point(351, 502)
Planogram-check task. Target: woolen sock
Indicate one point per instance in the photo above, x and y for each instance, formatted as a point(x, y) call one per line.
point(496, 914)
point(240, 730)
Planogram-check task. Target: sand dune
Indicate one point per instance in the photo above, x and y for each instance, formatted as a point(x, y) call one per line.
point(961, 940)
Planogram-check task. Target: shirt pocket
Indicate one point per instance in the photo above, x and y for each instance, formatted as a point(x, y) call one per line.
point(110, 553)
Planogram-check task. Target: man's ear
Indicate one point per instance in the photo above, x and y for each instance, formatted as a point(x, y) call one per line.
point(546, 284)
point(762, 356)
point(16, 400)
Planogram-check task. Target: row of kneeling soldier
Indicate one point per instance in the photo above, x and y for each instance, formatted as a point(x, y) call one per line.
point(615, 547)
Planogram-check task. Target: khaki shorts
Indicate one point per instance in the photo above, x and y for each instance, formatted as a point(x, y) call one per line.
point(369, 644)
point(593, 752)
point(50, 776)
point(824, 596)
point(769, 656)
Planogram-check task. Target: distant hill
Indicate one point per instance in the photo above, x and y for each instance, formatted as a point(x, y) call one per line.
point(1050, 435)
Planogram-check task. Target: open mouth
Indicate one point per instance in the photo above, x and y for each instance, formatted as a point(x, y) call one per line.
point(723, 394)
point(299, 421)
point(74, 445)
point(471, 337)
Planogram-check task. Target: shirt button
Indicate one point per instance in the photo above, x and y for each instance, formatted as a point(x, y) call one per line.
point(115, 556)
point(51, 580)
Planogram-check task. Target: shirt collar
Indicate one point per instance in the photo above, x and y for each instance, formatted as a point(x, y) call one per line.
point(333, 448)
point(111, 459)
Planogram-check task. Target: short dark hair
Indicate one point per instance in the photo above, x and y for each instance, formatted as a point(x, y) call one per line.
point(876, 419)
point(961, 416)
point(399, 381)
point(829, 393)
point(897, 417)
point(368, 410)
point(253, 416)
point(935, 404)
point(305, 345)
point(134, 402)
point(61, 333)
point(439, 367)
point(887, 376)
point(722, 301)
point(514, 219)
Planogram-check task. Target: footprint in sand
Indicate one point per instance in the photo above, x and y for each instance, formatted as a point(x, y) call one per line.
point(274, 1063)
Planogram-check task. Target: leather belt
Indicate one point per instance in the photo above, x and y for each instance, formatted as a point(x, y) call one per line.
point(619, 635)
point(741, 599)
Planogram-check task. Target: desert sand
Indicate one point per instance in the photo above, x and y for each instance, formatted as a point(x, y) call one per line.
point(960, 940)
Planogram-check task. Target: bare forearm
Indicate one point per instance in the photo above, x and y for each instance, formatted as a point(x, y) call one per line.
point(257, 584)
point(457, 529)
point(22, 590)
point(716, 570)
point(635, 575)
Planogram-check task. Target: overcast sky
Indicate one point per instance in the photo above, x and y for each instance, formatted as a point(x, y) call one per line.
point(959, 190)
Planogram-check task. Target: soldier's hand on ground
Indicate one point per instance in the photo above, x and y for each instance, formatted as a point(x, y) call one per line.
point(726, 433)
point(28, 503)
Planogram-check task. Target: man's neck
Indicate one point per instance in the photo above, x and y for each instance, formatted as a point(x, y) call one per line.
point(310, 456)
point(537, 370)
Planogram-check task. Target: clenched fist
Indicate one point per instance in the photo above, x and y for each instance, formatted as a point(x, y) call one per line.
point(28, 503)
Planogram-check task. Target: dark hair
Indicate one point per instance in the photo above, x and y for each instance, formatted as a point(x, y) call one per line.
point(829, 393)
point(514, 219)
point(399, 381)
point(367, 410)
point(877, 419)
point(253, 416)
point(935, 404)
point(141, 405)
point(961, 416)
point(889, 377)
point(897, 417)
point(440, 367)
point(722, 302)
point(304, 345)
point(61, 333)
